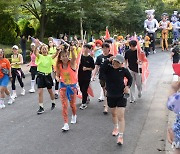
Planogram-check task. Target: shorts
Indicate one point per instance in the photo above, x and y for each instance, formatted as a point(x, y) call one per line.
point(33, 70)
point(102, 83)
point(116, 102)
point(4, 81)
point(44, 81)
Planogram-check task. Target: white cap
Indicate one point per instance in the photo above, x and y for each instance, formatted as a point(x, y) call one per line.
point(33, 44)
point(150, 12)
point(119, 58)
point(175, 13)
point(15, 47)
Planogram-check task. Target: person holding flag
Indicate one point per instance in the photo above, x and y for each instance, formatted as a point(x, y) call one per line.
point(133, 62)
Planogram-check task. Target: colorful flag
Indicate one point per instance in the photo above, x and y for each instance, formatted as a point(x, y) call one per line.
point(142, 57)
point(107, 36)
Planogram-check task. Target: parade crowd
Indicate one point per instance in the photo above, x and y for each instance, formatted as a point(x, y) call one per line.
point(67, 67)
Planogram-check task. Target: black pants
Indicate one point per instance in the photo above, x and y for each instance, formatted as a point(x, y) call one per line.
point(146, 50)
point(19, 76)
point(56, 85)
point(152, 39)
point(84, 84)
point(33, 71)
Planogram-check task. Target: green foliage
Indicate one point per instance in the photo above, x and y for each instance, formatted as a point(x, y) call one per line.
point(8, 29)
point(53, 17)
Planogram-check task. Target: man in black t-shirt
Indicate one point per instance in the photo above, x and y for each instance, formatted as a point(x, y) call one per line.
point(84, 74)
point(98, 64)
point(134, 67)
point(114, 74)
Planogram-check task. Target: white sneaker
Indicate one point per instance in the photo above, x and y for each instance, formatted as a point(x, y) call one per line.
point(23, 91)
point(3, 106)
point(11, 100)
point(139, 94)
point(154, 51)
point(83, 106)
point(65, 127)
point(32, 90)
point(73, 119)
point(14, 96)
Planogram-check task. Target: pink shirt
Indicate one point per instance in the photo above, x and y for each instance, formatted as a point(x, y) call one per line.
point(33, 58)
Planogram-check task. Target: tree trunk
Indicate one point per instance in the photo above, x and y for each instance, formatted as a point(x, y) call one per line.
point(42, 29)
point(81, 28)
point(43, 20)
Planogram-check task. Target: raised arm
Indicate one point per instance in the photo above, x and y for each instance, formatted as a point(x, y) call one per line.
point(73, 59)
point(36, 52)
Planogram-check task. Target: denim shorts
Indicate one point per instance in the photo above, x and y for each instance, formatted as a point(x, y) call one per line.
point(4, 81)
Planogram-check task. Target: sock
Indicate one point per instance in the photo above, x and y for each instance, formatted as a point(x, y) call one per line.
point(115, 125)
point(41, 105)
point(120, 134)
point(56, 91)
point(2, 100)
point(53, 101)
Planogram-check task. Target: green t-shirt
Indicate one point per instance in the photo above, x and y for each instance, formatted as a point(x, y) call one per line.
point(44, 63)
point(52, 51)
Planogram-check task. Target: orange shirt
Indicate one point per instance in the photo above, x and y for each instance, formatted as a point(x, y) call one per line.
point(68, 76)
point(4, 63)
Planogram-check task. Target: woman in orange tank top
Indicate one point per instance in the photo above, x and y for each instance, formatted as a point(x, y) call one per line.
point(67, 76)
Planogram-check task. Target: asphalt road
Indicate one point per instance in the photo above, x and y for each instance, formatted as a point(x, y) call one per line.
point(22, 131)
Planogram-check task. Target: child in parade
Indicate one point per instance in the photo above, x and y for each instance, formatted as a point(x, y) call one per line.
point(5, 75)
point(33, 68)
point(84, 73)
point(16, 71)
point(99, 62)
point(44, 67)
point(67, 76)
point(114, 76)
point(146, 45)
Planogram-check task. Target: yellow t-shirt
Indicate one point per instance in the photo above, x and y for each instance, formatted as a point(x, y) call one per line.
point(146, 44)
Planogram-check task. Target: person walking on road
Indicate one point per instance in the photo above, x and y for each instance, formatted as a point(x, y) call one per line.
point(84, 74)
point(16, 71)
point(132, 62)
point(99, 62)
point(5, 75)
point(67, 76)
point(23, 42)
point(33, 68)
point(44, 67)
point(116, 92)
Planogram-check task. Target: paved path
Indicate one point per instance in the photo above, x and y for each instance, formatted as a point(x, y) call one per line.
point(25, 132)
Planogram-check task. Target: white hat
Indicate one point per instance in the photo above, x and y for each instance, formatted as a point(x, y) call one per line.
point(15, 47)
point(119, 58)
point(176, 13)
point(33, 44)
point(150, 12)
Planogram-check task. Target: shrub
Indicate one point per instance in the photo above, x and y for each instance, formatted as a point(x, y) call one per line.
point(8, 29)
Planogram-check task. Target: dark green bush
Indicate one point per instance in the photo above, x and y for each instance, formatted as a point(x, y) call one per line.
point(7, 29)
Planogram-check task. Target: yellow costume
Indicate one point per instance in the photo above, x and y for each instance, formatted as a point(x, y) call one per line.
point(165, 25)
